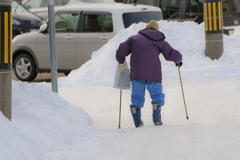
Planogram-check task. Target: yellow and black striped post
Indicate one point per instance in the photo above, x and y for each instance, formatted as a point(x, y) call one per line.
point(6, 58)
point(213, 19)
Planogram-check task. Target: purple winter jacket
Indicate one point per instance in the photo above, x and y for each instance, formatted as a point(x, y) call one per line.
point(145, 48)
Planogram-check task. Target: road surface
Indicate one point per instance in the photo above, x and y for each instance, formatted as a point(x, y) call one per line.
point(41, 77)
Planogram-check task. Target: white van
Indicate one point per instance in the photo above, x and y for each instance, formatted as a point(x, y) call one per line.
point(80, 30)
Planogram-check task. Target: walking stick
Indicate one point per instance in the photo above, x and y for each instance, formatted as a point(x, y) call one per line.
point(182, 92)
point(119, 125)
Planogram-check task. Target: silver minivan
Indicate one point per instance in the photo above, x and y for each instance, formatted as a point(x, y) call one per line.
point(80, 30)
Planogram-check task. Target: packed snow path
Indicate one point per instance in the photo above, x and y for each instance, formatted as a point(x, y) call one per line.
point(211, 133)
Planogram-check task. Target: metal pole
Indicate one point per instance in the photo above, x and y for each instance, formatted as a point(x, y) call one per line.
point(213, 19)
point(6, 58)
point(52, 46)
point(182, 9)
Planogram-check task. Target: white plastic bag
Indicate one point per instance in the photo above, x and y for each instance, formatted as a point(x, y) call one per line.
point(122, 77)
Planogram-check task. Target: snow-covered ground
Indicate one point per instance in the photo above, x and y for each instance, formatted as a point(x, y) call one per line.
point(81, 121)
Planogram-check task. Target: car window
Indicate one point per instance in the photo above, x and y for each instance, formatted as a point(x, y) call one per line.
point(231, 8)
point(45, 3)
point(66, 22)
point(193, 7)
point(62, 2)
point(98, 23)
point(169, 7)
point(108, 24)
point(136, 17)
point(33, 4)
point(56, 3)
point(94, 1)
point(17, 7)
point(149, 2)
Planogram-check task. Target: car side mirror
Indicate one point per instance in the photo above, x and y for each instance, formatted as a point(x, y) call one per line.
point(43, 28)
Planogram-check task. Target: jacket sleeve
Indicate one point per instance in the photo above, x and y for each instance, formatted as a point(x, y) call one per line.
point(124, 50)
point(171, 54)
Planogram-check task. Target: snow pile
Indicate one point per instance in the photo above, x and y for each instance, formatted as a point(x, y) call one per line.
point(41, 121)
point(187, 37)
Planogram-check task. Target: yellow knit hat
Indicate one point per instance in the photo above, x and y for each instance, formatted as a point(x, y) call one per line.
point(152, 24)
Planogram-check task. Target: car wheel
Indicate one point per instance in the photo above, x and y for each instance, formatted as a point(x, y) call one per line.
point(66, 73)
point(24, 68)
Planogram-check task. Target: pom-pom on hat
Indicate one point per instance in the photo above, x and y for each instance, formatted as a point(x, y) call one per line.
point(152, 24)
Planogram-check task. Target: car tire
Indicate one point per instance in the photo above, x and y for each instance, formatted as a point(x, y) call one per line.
point(24, 67)
point(66, 73)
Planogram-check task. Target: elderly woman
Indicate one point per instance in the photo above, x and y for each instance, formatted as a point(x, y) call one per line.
point(145, 68)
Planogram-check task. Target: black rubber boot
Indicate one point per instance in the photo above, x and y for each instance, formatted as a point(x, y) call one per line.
point(136, 113)
point(157, 114)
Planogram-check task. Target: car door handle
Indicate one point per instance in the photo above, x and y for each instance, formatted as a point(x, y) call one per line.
point(68, 38)
point(104, 37)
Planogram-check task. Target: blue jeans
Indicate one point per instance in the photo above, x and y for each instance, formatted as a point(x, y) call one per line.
point(138, 93)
